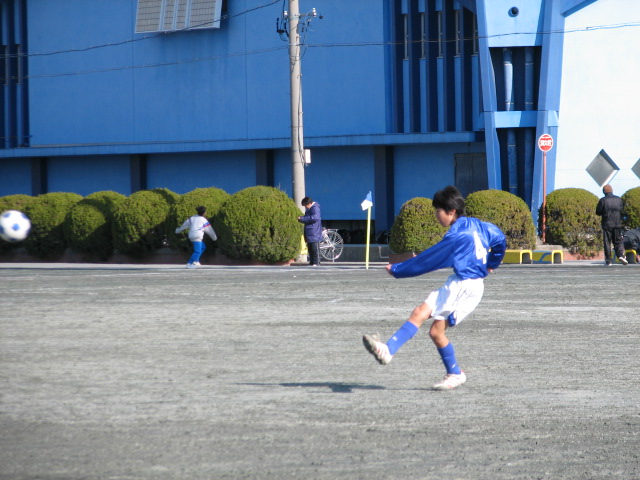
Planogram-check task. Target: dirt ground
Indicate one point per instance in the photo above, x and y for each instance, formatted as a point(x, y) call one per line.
point(159, 372)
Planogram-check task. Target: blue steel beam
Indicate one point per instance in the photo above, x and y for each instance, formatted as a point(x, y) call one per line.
point(489, 101)
point(570, 7)
point(548, 97)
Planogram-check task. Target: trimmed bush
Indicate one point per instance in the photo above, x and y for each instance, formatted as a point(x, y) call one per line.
point(88, 226)
point(572, 221)
point(415, 228)
point(508, 212)
point(631, 199)
point(47, 213)
point(140, 222)
point(212, 198)
point(259, 224)
point(13, 202)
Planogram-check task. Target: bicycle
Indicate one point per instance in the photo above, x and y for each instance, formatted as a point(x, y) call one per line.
point(331, 244)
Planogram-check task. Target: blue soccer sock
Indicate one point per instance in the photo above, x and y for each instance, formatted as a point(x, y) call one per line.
point(406, 332)
point(449, 359)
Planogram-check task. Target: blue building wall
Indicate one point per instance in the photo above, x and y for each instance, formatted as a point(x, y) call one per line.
point(86, 175)
point(393, 92)
point(340, 179)
point(181, 173)
point(428, 166)
point(15, 176)
point(227, 83)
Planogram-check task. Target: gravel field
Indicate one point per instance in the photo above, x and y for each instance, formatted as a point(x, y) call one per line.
point(159, 372)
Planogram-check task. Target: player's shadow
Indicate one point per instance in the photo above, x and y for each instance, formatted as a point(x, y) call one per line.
point(335, 387)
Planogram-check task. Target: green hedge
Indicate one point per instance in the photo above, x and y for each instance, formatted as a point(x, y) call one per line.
point(507, 211)
point(415, 228)
point(88, 225)
point(140, 222)
point(631, 199)
point(259, 224)
point(572, 221)
point(212, 198)
point(47, 213)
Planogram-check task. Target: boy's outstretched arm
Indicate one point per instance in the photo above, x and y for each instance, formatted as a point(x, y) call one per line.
point(433, 258)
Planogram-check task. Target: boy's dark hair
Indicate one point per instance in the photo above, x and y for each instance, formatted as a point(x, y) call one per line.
point(201, 210)
point(306, 201)
point(449, 198)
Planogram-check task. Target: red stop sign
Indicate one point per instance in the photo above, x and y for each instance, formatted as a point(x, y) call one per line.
point(545, 142)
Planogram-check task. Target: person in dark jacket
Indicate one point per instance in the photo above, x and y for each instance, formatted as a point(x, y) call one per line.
point(631, 240)
point(610, 209)
point(312, 229)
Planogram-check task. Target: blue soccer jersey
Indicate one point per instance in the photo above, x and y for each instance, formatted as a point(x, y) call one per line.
point(471, 247)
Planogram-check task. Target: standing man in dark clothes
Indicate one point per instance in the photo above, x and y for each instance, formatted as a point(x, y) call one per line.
point(610, 209)
point(312, 229)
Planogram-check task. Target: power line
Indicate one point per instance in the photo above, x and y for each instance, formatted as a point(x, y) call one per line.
point(155, 65)
point(355, 44)
point(271, 49)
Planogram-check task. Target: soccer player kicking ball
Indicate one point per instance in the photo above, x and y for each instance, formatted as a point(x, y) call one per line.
point(473, 249)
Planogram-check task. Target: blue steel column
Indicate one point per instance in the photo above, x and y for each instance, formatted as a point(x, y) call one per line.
point(549, 96)
point(512, 154)
point(22, 105)
point(489, 101)
point(458, 68)
point(406, 68)
point(442, 91)
point(529, 133)
point(424, 67)
point(475, 81)
point(5, 32)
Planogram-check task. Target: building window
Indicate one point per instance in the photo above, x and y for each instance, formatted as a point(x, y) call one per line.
point(175, 15)
point(405, 19)
point(440, 34)
point(423, 35)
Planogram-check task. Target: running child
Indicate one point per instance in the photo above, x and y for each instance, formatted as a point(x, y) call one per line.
point(473, 249)
point(198, 225)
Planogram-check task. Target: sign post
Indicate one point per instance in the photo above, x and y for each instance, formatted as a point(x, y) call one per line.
point(366, 205)
point(545, 143)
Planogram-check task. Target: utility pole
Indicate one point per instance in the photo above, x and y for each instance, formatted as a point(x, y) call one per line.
point(298, 158)
point(297, 136)
point(294, 30)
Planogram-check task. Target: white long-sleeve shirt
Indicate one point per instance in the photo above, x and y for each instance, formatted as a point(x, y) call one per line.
point(198, 226)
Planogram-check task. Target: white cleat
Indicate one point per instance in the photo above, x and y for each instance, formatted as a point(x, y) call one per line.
point(451, 381)
point(378, 349)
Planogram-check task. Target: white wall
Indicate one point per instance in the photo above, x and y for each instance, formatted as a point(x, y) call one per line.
point(600, 96)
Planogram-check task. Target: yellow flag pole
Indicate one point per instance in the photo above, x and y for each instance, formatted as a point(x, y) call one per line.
point(368, 235)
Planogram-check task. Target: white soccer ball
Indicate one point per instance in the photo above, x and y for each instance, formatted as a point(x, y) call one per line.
point(14, 226)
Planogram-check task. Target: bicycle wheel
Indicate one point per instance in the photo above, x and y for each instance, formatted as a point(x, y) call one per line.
point(331, 246)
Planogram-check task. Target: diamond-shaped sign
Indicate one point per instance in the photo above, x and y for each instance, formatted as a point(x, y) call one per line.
point(602, 169)
point(636, 168)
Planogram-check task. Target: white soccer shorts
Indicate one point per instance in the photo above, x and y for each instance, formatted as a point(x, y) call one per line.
point(456, 299)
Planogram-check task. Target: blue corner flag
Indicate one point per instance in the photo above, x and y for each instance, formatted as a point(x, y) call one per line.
point(367, 203)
